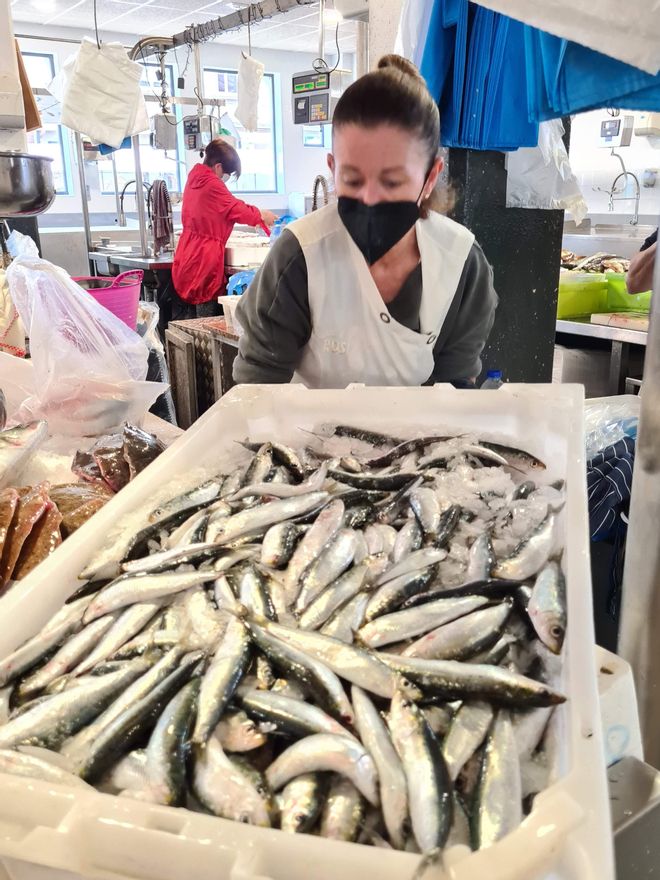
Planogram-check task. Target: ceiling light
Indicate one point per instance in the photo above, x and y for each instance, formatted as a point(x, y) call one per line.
point(332, 16)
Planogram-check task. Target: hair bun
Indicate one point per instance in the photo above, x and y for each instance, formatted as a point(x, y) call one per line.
point(398, 62)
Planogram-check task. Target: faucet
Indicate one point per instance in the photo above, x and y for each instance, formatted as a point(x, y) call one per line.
point(319, 180)
point(613, 192)
point(122, 216)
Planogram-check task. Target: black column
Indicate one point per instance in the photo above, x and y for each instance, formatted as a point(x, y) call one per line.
point(523, 245)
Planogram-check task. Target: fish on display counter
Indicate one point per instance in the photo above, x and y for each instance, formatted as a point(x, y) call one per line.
point(352, 644)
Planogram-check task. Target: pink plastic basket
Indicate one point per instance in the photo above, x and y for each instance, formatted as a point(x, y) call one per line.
point(119, 295)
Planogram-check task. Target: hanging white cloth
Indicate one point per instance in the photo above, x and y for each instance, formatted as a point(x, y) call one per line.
point(100, 93)
point(629, 32)
point(413, 28)
point(250, 73)
point(354, 338)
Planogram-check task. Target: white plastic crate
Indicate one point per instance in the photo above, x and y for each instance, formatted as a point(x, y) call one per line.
point(566, 837)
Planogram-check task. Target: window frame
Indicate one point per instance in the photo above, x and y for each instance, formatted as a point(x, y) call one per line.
point(277, 133)
point(65, 146)
point(179, 137)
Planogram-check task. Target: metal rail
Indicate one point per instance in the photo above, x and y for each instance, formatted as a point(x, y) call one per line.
point(200, 33)
point(639, 643)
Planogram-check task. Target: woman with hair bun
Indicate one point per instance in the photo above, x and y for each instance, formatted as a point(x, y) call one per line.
point(380, 288)
point(208, 215)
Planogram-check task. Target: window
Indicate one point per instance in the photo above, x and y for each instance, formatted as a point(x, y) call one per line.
point(258, 148)
point(156, 164)
point(49, 140)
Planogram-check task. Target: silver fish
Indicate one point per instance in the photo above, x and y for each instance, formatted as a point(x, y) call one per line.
point(452, 680)
point(466, 733)
point(481, 559)
point(66, 658)
point(59, 716)
point(416, 561)
point(498, 809)
point(129, 623)
point(19, 764)
point(292, 716)
point(326, 524)
point(168, 745)
point(429, 785)
point(336, 595)
point(463, 637)
point(346, 621)
point(221, 679)
point(547, 607)
point(412, 622)
point(301, 801)
point(325, 752)
point(279, 544)
point(67, 620)
point(131, 588)
point(530, 555)
point(426, 506)
point(392, 780)
point(529, 728)
point(343, 811)
point(327, 567)
point(226, 788)
point(356, 665)
point(407, 541)
point(238, 733)
point(284, 490)
point(190, 553)
point(265, 515)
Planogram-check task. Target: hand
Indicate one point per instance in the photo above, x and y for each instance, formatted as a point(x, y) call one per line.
point(268, 217)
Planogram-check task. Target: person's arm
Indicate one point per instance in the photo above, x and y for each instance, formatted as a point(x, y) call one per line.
point(275, 316)
point(234, 209)
point(640, 273)
point(468, 324)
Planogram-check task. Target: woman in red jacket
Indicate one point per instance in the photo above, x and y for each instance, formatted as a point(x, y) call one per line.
point(209, 214)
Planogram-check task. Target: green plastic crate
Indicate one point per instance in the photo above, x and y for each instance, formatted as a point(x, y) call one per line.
point(581, 294)
point(618, 298)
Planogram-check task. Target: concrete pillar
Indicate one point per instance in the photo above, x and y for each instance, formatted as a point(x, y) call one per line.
point(383, 26)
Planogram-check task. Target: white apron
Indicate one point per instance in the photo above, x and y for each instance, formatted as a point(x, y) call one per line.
point(354, 338)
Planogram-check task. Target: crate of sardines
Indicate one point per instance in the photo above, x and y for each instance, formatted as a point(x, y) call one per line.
point(333, 633)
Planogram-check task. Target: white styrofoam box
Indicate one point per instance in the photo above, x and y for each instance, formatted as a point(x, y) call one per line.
point(567, 834)
point(229, 305)
point(618, 708)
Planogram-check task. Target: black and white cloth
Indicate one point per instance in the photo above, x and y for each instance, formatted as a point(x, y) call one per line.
point(609, 483)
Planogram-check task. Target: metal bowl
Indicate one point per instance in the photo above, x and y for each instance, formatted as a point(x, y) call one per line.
point(26, 184)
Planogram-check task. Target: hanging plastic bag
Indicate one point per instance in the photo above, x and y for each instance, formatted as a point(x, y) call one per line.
point(90, 368)
point(541, 177)
point(100, 93)
point(250, 73)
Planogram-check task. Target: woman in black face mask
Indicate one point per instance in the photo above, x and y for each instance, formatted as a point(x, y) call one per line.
point(380, 288)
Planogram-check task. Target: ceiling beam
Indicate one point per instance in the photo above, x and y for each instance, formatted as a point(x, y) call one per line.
point(201, 33)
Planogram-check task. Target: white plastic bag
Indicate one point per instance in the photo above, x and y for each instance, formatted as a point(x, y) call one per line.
point(90, 368)
point(250, 72)
point(541, 177)
point(100, 93)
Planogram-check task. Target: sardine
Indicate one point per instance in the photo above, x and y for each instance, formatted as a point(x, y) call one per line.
point(301, 802)
point(168, 747)
point(327, 567)
point(530, 555)
point(547, 607)
point(498, 809)
point(466, 733)
point(325, 752)
point(429, 786)
point(327, 523)
point(265, 515)
point(293, 717)
point(226, 789)
point(463, 637)
point(131, 588)
point(343, 811)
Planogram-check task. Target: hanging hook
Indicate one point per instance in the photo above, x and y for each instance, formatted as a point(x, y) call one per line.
point(249, 30)
point(96, 28)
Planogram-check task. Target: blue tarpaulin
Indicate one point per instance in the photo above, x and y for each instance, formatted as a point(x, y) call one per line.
point(495, 78)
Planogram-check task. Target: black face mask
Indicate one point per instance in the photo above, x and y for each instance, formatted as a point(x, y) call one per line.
point(375, 229)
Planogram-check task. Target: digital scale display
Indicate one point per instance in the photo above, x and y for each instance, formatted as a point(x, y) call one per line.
point(310, 82)
point(610, 128)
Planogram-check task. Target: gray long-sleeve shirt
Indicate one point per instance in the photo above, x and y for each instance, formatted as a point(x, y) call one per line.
point(275, 316)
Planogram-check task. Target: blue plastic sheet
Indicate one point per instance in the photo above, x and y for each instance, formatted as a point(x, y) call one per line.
point(495, 78)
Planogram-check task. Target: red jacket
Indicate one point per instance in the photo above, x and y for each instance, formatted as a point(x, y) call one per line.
point(208, 215)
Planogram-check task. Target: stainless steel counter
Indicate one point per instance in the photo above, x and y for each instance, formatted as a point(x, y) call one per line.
point(600, 331)
point(620, 340)
point(132, 261)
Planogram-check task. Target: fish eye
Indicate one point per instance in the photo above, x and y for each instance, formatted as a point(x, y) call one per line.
point(556, 631)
